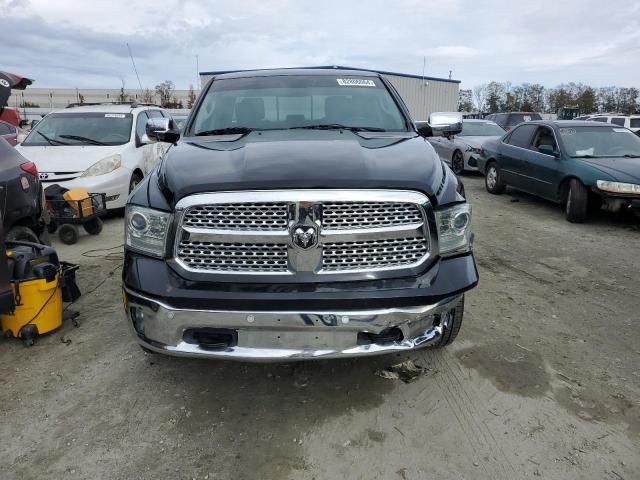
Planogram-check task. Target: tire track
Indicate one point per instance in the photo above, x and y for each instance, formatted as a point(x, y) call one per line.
point(463, 404)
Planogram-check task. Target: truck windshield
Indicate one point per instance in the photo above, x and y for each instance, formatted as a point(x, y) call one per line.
point(596, 141)
point(480, 129)
point(81, 128)
point(297, 101)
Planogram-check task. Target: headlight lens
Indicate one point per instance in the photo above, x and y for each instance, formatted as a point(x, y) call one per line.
point(146, 230)
point(454, 228)
point(475, 150)
point(617, 187)
point(101, 167)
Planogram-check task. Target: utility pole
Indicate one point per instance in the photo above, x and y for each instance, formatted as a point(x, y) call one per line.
point(197, 74)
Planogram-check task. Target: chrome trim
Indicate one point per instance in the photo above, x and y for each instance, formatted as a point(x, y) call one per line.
point(305, 209)
point(285, 335)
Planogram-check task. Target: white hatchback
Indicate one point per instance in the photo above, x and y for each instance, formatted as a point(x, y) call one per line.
point(103, 148)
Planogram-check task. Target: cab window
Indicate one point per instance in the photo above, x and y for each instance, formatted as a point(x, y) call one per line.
point(521, 136)
point(544, 138)
point(141, 125)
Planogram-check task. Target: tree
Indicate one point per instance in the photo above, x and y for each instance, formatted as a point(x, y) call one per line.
point(122, 97)
point(496, 97)
point(165, 92)
point(147, 96)
point(480, 97)
point(465, 101)
point(191, 97)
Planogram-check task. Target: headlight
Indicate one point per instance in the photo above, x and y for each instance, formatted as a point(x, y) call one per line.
point(617, 187)
point(106, 165)
point(146, 230)
point(475, 150)
point(454, 228)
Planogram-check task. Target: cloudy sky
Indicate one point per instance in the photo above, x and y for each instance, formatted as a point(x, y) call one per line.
point(71, 43)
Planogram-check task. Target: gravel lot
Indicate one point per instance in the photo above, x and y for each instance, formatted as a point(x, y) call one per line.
point(544, 380)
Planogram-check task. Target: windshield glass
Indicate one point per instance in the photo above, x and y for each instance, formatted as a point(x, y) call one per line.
point(480, 129)
point(81, 128)
point(600, 142)
point(298, 101)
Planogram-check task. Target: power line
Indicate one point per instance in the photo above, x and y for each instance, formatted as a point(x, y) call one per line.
point(134, 67)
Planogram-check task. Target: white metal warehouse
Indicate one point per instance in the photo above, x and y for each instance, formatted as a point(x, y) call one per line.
point(422, 95)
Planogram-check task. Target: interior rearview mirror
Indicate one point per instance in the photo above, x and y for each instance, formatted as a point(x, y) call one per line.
point(445, 124)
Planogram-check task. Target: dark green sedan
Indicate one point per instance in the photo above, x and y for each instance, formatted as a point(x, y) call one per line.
point(576, 164)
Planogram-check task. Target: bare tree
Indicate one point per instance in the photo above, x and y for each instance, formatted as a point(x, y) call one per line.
point(480, 96)
point(165, 92)
point(148, 96)
point(191, 97)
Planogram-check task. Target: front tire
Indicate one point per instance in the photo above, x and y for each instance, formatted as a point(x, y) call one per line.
point(453, 328)
point(457, 163)
point(493, 179)
point(577, 202)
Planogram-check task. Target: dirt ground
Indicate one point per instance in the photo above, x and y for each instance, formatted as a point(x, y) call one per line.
point(544, 380)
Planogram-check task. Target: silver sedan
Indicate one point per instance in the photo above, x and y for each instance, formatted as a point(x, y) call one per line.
point(461, 151)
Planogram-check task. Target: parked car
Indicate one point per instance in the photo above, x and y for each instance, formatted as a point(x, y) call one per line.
point(11, 133)
point(573, 163)
point(301, 216)
point(509, 120)
point(632, 122)
point(21, 198)
point(102, 148)
point(462, 150)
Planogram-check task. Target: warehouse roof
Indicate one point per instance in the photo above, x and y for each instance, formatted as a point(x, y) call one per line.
point(339, 67)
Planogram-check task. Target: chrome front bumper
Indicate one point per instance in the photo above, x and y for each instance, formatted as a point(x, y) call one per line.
point(264, 336)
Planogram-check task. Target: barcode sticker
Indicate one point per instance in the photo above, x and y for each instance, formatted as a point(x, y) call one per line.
point(355, 82)
point(114, 115)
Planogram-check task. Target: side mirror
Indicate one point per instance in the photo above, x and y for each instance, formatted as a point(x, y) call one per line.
point(160, 130)
point(548, 150)
point(445, 124)
point(424, 129)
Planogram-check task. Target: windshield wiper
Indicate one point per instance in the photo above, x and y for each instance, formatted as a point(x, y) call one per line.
point(225, 131)
point(80, 138)
point(585, 156)
point(630, 155)
point(338, 126)
point(50, 140)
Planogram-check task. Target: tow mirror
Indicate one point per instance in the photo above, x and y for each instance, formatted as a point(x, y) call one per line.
point(445, 124)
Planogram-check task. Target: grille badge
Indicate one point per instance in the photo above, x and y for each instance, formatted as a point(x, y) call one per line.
point(305, 236)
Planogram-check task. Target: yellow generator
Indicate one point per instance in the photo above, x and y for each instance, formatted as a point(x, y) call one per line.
point(37, 280)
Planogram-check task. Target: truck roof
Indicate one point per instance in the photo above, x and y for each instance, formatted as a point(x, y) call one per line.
point(296, 71)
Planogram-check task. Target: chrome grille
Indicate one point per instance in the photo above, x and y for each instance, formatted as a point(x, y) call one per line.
point(351, 215)
point(258, 232)
point(373, 253)
point(234, 257)
point(239, 216)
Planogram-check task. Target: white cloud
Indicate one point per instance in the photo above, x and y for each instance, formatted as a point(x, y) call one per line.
point(79, 43)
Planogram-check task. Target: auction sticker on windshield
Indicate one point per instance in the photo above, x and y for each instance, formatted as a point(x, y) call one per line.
point(355, 82)
point(114, 115)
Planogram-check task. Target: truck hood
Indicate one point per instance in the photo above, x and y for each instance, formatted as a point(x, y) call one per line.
point(63, 158)
point(621, 169)
point(300, 159)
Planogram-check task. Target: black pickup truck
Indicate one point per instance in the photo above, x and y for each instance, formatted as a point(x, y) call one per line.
point(299, 214)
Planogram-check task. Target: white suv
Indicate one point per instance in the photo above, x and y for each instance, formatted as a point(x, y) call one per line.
point(102, 147)
point(632, 122)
